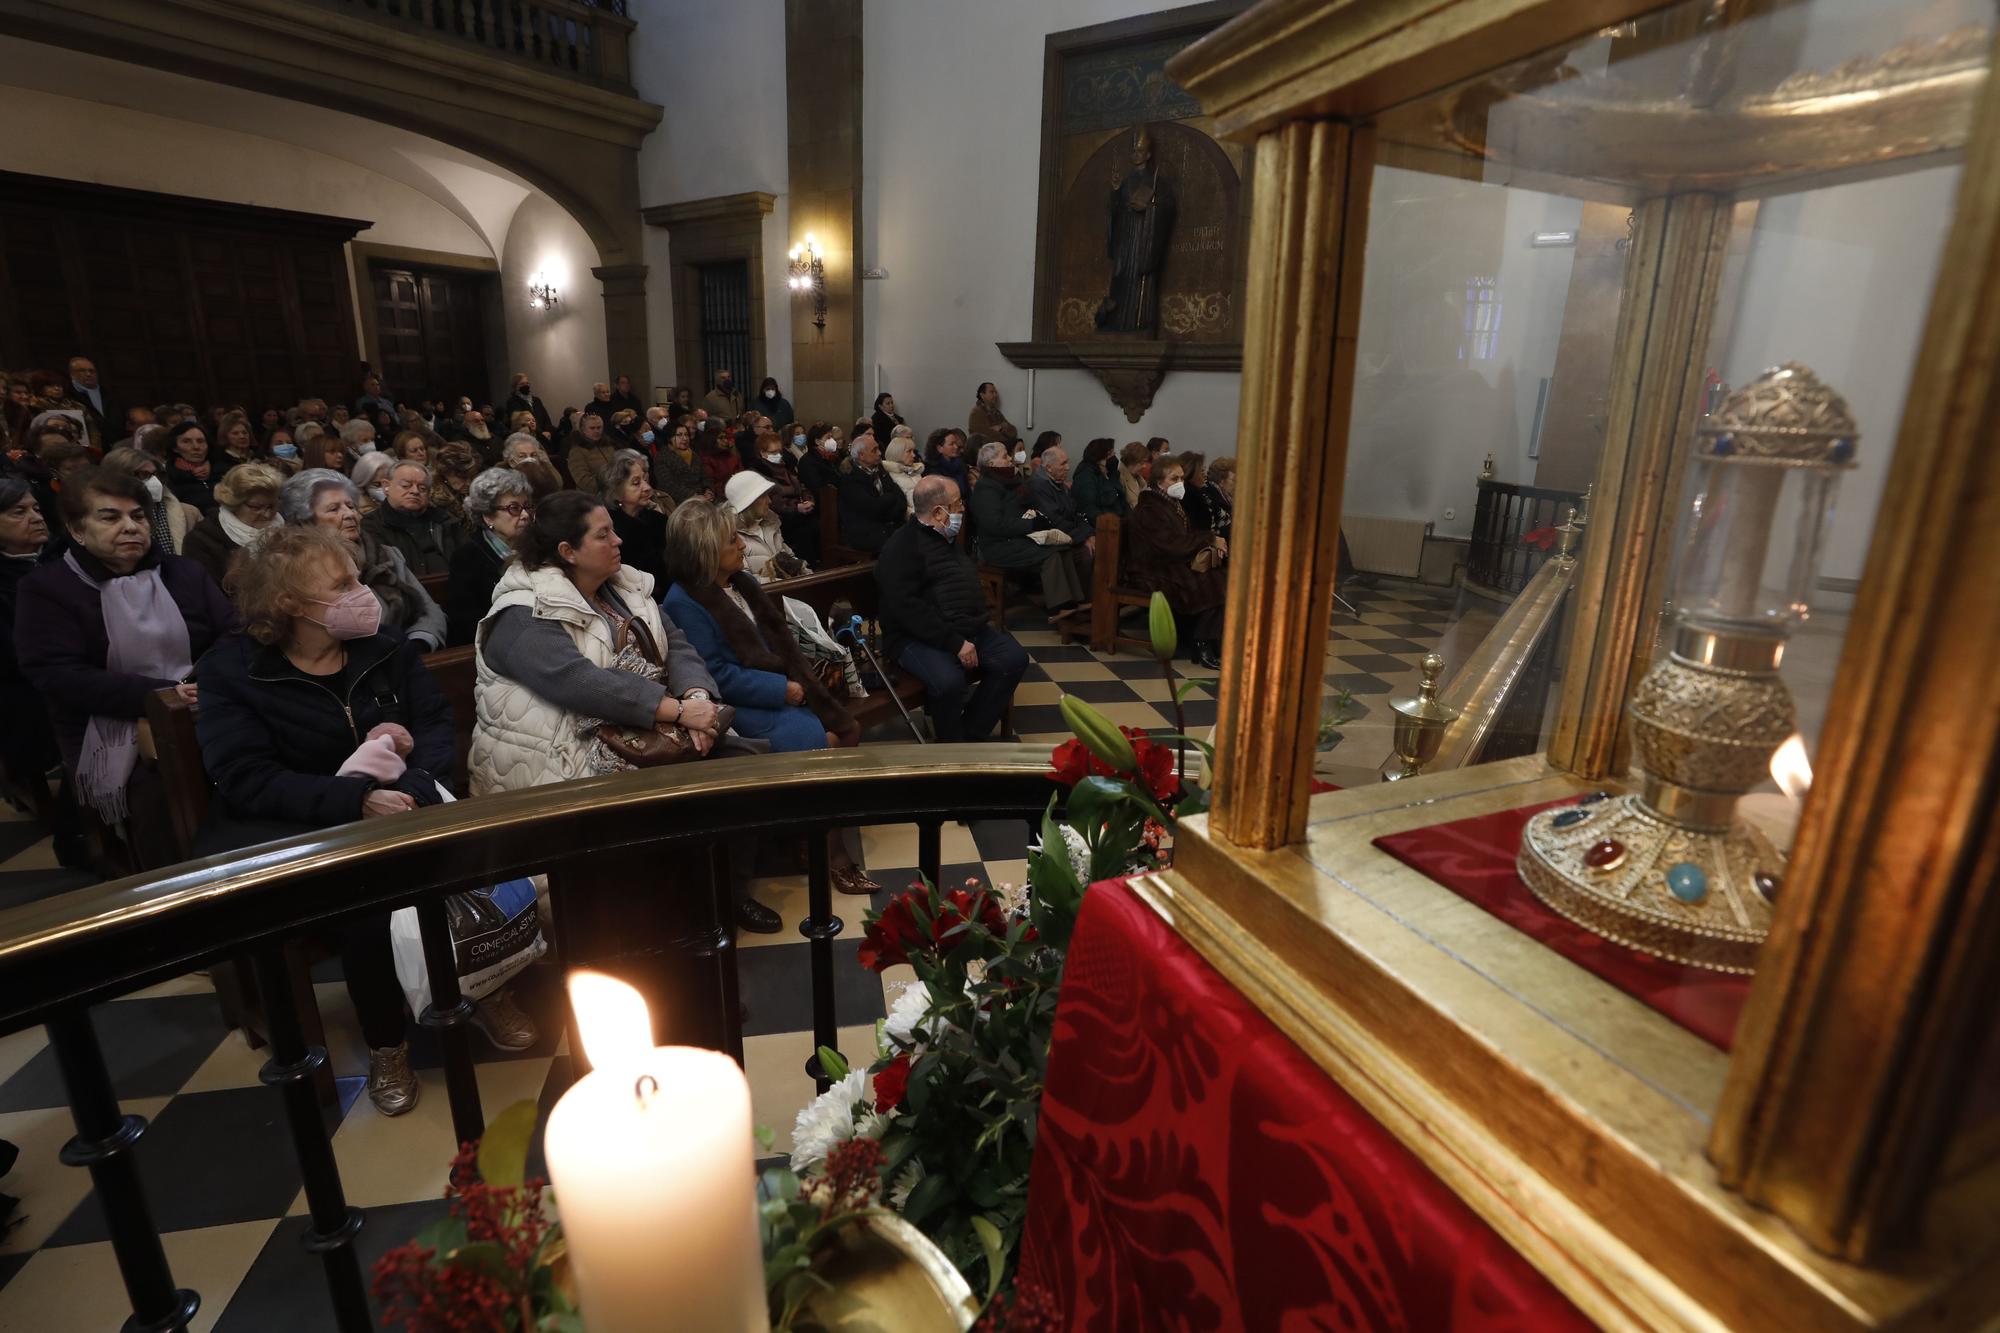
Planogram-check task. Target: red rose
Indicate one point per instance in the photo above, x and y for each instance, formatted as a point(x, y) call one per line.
point(1073, 763)
point(888, 939)
point(1156, 767)
point(892, 1081)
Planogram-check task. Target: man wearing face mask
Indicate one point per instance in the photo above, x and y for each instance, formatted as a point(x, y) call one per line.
point(101, 629)
point(872, 506)
point(935, 623)
point(523, 399)
point(1011, 535)
point(724, 402)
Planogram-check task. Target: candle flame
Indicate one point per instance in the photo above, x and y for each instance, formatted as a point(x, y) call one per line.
point(1790, 768)
point(611, 1017)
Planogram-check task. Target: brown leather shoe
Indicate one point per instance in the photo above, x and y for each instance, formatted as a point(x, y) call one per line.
point(392, 1085)
point(854, 880)
point(503, 1022)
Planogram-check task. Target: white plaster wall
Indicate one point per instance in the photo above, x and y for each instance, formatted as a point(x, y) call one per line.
point(951, 166)
point(66, 137)
point(1426, 415)
point(562, 350)
point(719, 70)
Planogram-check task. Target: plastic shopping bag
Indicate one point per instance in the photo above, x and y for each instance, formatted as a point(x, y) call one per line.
point(495, 933)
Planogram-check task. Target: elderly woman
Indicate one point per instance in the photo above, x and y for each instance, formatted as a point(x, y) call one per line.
point(716, 444)
point(749, 647)
point(320, 498)
point(171, 519)
point(628, 493)
point(27, 742)
point(1194, 475)
point(1133, 469)
point(101, 629)
point(368, 478)
point(899, 457)
point(358, 435)
point(1011, 534)
point(237, 442)
point(1221, 495)
point(794, 508)
point(1166, 553)
point(500, 503)
point(247, 506)
point(190, 476)
point(677, 470)
point(766, 556)
point(457, 465)
point(520, 447)
point(365, 739)
point(412, 446)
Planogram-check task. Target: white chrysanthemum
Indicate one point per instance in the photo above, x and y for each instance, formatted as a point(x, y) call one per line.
point(906, 1180)
point(842, 1112)
point(1078, 849)
point(904, 1015)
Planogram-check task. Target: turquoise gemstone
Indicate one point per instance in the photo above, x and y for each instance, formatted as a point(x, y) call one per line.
point(1686, 881)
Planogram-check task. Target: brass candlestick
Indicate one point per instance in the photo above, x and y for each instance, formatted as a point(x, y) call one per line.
point(1670, 870)
point(1420, 723)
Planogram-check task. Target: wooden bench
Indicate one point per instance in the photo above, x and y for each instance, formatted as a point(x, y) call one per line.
point(1110, 599)
point(833, 551)
point(438, 586)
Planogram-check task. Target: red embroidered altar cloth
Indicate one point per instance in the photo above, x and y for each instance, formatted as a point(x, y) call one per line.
point(1195, 1170)
point(1474, 858)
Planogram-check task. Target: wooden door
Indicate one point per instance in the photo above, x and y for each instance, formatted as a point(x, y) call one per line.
point(431, 332)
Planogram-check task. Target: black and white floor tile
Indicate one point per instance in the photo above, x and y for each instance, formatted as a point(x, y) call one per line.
point(232, 1232)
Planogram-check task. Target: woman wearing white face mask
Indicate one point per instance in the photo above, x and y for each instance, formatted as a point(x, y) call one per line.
point(791, 505)
point(772, 402)
point(172, 518)
point(823, 465)
point(1165, 553)
point(367, 476)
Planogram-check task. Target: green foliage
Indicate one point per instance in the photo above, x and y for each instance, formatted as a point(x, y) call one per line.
point(1098, 733)
point(503, 1150)
point(1161, 628)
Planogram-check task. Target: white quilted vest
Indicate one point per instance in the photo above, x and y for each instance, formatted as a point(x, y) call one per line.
point(521, 739)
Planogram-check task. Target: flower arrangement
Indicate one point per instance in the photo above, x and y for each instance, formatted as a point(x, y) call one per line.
point(497, 1262)
point(956, 1085)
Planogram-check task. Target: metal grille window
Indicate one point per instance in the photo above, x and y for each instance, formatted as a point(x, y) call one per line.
point(1482, 320)
point(725, 319)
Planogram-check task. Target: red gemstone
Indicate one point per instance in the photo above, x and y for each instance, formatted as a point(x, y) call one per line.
point(1606, 855)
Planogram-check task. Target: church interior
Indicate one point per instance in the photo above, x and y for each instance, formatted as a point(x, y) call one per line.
point(906, 665)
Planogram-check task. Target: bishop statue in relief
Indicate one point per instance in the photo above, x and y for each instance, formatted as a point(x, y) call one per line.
point(1141, 208)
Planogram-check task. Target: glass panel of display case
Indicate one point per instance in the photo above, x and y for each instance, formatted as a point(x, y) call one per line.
point(1512, 297)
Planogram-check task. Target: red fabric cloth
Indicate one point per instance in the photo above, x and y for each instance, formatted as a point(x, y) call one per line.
point(1474, 858)
point(1195, 1170)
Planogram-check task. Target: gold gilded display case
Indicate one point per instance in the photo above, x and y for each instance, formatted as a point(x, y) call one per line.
point(1752, 179)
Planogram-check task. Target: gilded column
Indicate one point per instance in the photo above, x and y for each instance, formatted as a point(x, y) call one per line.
point(1310, 209)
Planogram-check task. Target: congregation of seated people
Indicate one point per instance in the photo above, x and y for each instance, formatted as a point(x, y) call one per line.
point(617, 570)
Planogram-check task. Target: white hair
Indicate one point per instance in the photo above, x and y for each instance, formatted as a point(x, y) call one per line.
point(902, 433)
point(993, 452)
point(854, 449)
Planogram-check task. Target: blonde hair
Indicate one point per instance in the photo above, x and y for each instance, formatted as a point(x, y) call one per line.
point(245, 481)
point(287, 559)
point(696, 533)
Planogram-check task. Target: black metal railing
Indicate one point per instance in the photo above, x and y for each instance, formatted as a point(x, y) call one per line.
point(64, 954)
point(579, 39)
point(1501, 556)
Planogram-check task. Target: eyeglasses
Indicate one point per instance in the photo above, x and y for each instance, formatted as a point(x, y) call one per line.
point(516, 509)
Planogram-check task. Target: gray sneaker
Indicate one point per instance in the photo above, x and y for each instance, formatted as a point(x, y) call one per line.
point(503, 1022)
point(392, 1086)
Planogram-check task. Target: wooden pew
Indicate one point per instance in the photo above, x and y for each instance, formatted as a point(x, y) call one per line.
point(832, 550)
point(1109, 597)
point(437, 585)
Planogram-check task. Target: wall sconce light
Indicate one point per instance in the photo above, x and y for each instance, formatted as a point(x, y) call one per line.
point(807, 275)
point(541, 293)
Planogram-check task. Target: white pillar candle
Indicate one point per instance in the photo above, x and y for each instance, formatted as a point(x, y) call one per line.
point(650, 1160)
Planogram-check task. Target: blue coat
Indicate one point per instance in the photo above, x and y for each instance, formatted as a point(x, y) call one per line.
point(273, 739)
point(758, 696)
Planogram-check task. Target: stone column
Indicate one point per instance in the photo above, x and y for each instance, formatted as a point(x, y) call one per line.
point(625, 346)
point(823, 70)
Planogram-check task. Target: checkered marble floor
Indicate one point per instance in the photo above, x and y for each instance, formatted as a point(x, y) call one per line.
point(234, 1234)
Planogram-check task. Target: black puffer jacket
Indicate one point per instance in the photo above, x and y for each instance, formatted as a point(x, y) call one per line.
point(930, 590)
point(871, 508)
point(273, 738)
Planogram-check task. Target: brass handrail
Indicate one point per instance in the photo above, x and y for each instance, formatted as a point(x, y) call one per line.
point(91, 943)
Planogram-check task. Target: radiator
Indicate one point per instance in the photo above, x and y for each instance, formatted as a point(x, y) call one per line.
point(1393, 546)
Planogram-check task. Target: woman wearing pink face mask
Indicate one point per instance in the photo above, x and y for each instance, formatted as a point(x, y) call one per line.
point(317, 714)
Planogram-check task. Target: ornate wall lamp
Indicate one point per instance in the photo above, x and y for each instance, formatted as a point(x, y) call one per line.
point(541, 293)
point(807, 275)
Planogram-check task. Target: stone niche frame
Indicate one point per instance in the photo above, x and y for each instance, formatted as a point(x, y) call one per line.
point(1129, 367)
point(704, 231)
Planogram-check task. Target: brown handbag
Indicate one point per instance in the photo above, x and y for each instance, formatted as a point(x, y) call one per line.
point(664, 742)
point(1204, 560)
